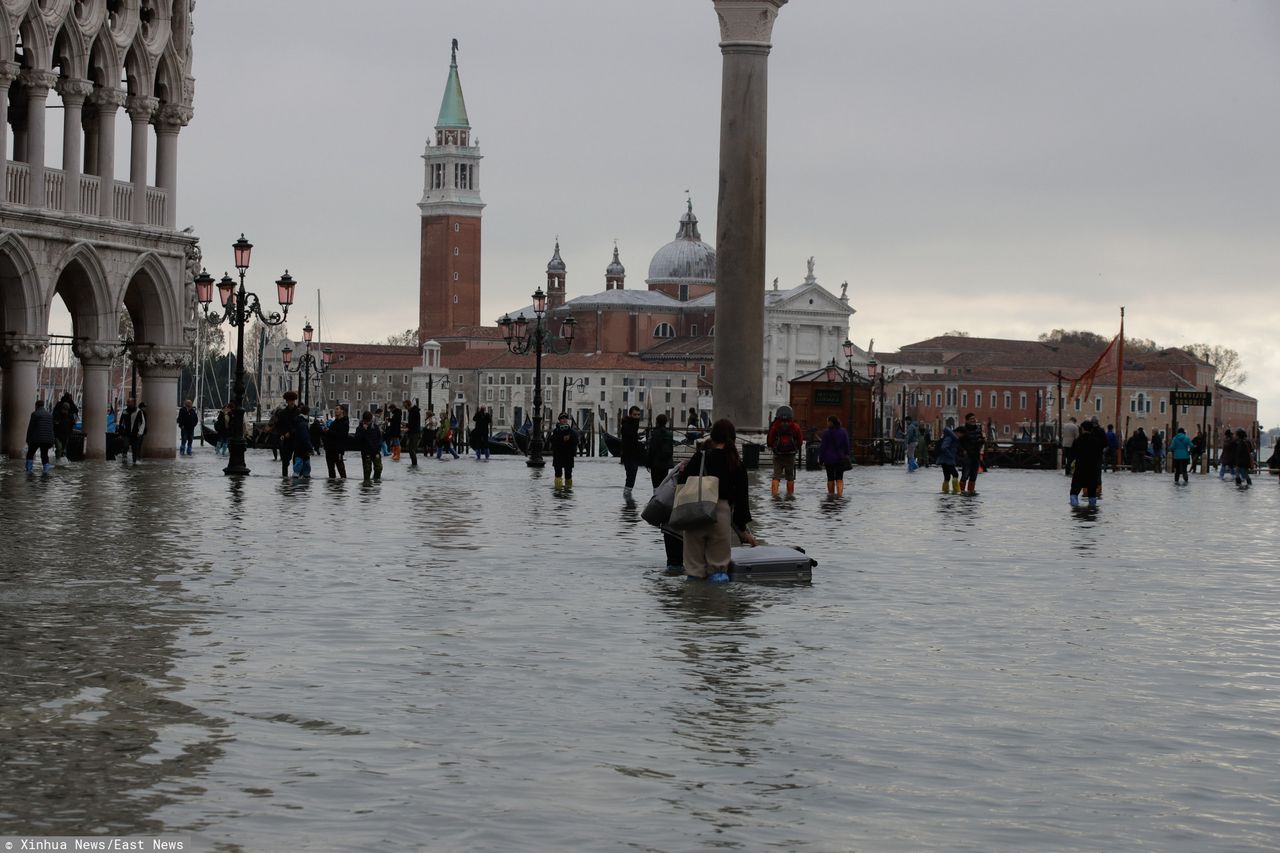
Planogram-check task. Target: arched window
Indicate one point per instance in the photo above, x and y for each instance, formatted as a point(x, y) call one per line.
point(664, 330)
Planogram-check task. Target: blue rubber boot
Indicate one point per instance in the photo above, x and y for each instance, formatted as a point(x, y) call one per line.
point(30, 466)
point(1075, 500)
point(1093, 502)
point(718, 577)
point(47, 468)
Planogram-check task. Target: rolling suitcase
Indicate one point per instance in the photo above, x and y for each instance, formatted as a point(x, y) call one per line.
point(770, 563)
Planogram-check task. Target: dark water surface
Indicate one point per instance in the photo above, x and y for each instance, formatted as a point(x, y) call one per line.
point(461, 659)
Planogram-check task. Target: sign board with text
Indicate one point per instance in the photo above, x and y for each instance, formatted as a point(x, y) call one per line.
point(1191, 398)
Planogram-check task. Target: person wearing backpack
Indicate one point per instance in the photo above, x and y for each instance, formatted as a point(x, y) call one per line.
point(784, 440)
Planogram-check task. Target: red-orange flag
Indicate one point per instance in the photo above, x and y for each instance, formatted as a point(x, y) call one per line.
point(1086, 379)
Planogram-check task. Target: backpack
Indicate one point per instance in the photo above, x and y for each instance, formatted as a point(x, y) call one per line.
point(786, 440)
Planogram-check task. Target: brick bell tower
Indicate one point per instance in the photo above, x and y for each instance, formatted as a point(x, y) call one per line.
point(449, 280)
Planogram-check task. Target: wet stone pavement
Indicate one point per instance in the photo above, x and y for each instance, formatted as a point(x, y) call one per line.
point(462, 658)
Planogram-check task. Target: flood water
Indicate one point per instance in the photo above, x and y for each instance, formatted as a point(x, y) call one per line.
point(460, 658)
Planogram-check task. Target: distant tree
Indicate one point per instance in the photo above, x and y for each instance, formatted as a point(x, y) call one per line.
point(955, 333)
point(407, 338)
point(1226, 361)
point(1093, 340)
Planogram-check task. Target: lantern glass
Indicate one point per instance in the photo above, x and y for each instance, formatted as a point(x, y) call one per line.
point(539, 301)
point(873, 368)
point(522, 327)
point(848, 348)
point(308, 333)
point(284, 289)
point(567, 327)
point(287, 355)
point(226, 286)
point(242, 248)
point(327, 356)
point(204, 287)
point(505, 324)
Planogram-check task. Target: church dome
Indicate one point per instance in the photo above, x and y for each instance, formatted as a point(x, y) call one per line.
point(686, 259)
point(556, 264)
point(615, 268)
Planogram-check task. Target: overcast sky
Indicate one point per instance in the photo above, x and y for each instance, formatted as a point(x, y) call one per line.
point(1002, 167)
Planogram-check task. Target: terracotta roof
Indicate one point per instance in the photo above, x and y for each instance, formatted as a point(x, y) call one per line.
point(699, 348)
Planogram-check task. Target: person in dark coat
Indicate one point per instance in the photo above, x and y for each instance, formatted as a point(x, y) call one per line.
point(660, 450)
point(283, 424)
point(833, 453)
point(949, 457)
point(483, 421)
point(188, 420)
point(1087, 452)
point(707, 549)
point(132, 426)
point(64, 421)
point(39, 437)
point(369, 442)
point(1227, 455)
point(392, 434)
point(1137, 450)
point(302, 447)
point(413, 430)
point(564, 449)
point(971, 444)
point(1243, 459)
point(632, 450)
point(335, 443)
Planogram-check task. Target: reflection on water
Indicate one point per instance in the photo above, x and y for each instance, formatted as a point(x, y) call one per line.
point(463, 657)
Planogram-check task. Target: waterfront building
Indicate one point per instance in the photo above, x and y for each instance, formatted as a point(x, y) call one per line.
point(71, 230)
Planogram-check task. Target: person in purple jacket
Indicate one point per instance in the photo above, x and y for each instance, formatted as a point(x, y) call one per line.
point(833, 453)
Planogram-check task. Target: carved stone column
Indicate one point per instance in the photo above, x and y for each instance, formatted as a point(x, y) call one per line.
point(140, 109)
point(95, 364)
point(37, 84)
point(20, 356)
point(8, 73)
point(159, 368)
point(169, 119)
point(74, 93)
point(745, 29)
point(106, 102)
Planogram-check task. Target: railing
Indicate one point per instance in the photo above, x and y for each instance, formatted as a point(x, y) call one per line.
point(17, 190)
point(16, 180)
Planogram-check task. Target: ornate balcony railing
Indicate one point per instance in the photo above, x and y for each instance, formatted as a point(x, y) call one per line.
point(17, 190)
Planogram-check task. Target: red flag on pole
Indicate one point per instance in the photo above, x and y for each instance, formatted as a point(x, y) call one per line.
point(1085, 380)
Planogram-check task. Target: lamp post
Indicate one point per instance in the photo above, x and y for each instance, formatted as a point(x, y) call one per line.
point(564, 391)
point(130, 347)
point(307, 363)
point(520, 339)
point(238, 308)
point(441, 382)
point(881, 375)
point(847, 346)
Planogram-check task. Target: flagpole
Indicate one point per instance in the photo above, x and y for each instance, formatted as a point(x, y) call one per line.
point(1120, 387)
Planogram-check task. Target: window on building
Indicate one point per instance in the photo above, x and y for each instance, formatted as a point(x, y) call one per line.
point(455, 251)
point(1022, 400)
point(684, 293)
point(455, 278)
point(359, 395)
point(457, 226)
point(1163, 403)
point(668, 397)
point(333, 380)
point(1006, 429)
point(346, 379)
point(993, 399)
point(964, 398)
point(1097, 404)
point(702, 371)
point(693, 330)
point(373, 380)
point(1008, 400)
point(488, 395)
point(1077, 404)
point(502, 393)
point(502, 413)
point(683, 397)
point(519, 378)
point(664, 330)
point(332, 395)
point(488, 379)
point(601, 396)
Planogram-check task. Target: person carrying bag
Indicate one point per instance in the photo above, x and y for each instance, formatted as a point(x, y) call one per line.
point(721, 481)
point(695, 502)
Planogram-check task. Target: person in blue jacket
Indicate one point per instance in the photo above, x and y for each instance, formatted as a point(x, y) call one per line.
point(1180, 447)
point(948, 446)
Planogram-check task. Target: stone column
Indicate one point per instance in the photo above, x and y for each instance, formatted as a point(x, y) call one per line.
point(745, 30)
point(140, 109)
point(8, 73)
point(106, 102)
point(158, 370)
point(95, 363)
point(21, 358)
point(37, 83)
point(74, 93)
point(170, 119)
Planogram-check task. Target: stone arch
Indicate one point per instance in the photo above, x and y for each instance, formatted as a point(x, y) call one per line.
point(8, 35)
point(37, 50)
point(81, 280)
point(21, 305)
point(169, 82)
point(139, 73)
point(104, 62)
point(70, 53)
point(150, 299)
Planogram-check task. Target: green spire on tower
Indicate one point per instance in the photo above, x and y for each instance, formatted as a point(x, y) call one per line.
point(453, 108)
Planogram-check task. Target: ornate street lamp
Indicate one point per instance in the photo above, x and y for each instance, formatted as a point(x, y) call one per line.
point(521, 338)
point(238, 308)
point(570, 382)
point(441, 382)
point(307, 364)
point(879, 375)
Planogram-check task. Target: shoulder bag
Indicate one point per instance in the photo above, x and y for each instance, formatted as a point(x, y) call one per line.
point(695, 503)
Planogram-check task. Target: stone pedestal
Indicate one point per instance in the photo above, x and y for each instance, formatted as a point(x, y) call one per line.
point(745, 29)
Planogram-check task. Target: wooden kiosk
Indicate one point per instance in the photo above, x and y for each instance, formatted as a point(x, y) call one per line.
point(833, 390)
